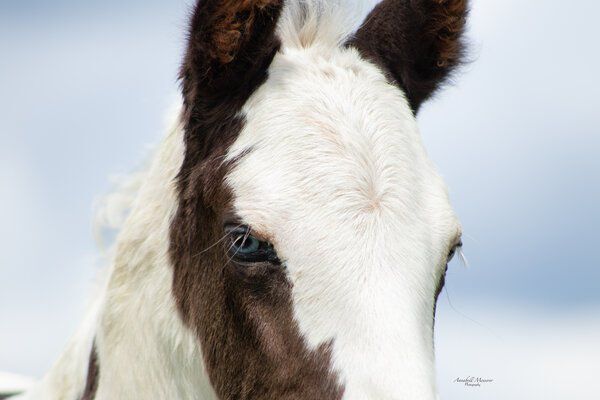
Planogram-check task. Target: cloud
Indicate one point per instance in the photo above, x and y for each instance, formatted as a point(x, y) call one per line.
point(530, 353)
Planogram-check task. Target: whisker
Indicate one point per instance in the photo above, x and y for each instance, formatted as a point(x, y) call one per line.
point(490, 331)
point(463, 258)
point(214, 244)
point(229, 259)
point(471, 238)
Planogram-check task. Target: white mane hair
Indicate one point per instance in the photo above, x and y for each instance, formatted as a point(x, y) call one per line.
point(307, 23)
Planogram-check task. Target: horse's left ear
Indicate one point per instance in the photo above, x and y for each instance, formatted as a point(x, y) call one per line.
point(418, 42)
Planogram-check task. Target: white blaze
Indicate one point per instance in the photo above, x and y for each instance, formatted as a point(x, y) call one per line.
point(338, 177)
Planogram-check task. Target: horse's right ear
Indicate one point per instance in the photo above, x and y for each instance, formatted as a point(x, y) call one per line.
point(229, 48)
point(417, 42)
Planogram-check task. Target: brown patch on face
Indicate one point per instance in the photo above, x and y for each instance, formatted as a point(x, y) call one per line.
point(93, 375)
point(419, 43)
point(241, 313)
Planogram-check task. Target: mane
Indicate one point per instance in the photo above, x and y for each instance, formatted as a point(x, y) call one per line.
point(114, 214)
point(112, 209)
point(307, 23)
point(67, 376)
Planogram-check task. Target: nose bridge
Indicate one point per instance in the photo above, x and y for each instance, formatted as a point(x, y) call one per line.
point(383, 334)
point(366, 290)
point(386, 338)
point(389, 288)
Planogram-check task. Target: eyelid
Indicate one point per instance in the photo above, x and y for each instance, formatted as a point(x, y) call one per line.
point(456, 248)
point(236, 228)
point(458, 243)
point(242, 228)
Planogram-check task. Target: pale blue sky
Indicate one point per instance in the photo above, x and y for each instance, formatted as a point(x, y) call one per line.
point(84, 87)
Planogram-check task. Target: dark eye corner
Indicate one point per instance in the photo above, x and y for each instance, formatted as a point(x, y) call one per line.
point(245, 247)
point(455, 249)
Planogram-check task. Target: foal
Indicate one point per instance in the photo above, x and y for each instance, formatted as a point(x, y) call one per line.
point(290, 237)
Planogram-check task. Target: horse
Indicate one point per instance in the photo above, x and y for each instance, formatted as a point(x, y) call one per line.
point(290, 236)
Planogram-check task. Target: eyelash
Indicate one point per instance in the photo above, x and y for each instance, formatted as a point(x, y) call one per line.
point(454, 250)
point(259, 250)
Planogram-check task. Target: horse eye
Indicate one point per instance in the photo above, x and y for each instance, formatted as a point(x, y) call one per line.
point(245, 247)
point(245, 244)
point(453, 251)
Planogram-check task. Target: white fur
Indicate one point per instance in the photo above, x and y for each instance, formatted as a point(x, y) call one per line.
point(338, 177)
point(306, 23)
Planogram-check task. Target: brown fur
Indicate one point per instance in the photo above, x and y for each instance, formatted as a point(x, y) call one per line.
point(233, 23)
point(418, 42)
point(242, 314)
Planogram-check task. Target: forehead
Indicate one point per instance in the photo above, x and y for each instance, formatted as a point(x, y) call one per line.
point(328, 135)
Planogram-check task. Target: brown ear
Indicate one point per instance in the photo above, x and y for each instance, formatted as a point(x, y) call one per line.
point(418, 42)
point(230, 45)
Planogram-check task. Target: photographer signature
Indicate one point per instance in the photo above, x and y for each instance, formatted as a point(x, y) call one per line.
point(473, 381)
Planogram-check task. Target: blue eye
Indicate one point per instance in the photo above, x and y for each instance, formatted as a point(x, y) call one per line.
point(246, 244)
point(247, 248)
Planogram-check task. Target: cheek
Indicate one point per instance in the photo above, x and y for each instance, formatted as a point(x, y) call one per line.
point(441, 283)
point(438, 290)
point(260, 305)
